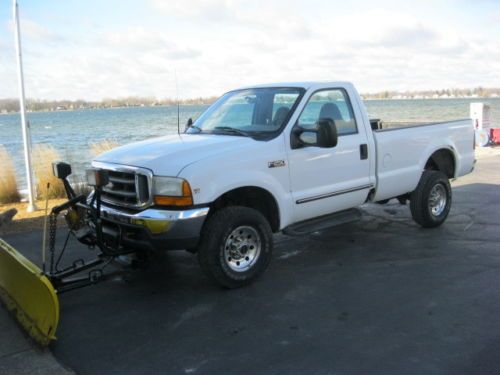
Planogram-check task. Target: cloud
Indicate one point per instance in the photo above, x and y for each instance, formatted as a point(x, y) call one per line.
point(194, 8)
point(418, 38)
point(274, 20)
point(148, 41)
point(260, 16)
point(217, 45)
point(34, 31)
point(409, 36)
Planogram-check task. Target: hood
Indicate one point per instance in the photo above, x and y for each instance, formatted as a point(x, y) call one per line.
point(168, 155)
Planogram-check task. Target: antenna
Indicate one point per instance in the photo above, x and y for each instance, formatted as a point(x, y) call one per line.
point(178, 105)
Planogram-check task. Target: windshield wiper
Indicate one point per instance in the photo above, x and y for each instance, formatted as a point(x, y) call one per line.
point(228, 129)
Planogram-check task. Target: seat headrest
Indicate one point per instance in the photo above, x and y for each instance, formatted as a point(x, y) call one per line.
point(280, 116)
point(331, 111)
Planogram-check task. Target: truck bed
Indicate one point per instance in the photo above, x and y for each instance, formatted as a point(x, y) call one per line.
point(403, 149)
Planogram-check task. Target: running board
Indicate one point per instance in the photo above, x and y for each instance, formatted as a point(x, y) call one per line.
point(323, 222)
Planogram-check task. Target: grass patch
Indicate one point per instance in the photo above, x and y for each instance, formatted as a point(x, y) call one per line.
point(43, 156)
point(8, 184)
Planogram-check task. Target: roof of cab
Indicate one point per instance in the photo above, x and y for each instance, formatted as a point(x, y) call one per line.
point(305, 85)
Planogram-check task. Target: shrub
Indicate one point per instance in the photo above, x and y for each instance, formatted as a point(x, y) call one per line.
point(8, 185)
point(103, 146)
point(43, 156)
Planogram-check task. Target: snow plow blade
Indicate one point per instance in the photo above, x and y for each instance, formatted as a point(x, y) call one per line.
point(28, 295)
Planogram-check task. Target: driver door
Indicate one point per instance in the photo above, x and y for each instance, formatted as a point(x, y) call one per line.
point(327, 180)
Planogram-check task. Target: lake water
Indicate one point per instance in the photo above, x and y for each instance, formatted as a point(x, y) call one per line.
point(72, 132)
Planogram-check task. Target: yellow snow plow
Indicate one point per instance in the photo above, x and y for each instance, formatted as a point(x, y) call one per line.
point(31, 293)
point(28, 294)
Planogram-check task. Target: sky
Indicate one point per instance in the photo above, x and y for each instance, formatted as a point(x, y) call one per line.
point(92, 49)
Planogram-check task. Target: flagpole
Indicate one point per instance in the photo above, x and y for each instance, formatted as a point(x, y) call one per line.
point(22, 109)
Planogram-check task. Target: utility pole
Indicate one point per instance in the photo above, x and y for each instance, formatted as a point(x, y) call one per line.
point(22, 110)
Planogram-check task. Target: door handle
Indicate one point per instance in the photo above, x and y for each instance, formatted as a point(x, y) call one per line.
point(363, 151)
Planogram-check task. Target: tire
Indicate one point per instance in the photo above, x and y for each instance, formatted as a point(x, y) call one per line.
point(236, 246)
point(430, 202)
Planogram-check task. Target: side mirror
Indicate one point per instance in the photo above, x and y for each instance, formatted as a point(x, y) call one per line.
point(324, 136)
point(189, 123)
point(61, 170)
point(306, 137)
point(327, 136)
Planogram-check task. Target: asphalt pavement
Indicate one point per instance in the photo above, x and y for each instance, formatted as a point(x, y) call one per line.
point(378, 296)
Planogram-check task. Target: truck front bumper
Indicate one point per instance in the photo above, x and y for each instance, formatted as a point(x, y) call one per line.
point(153, 229)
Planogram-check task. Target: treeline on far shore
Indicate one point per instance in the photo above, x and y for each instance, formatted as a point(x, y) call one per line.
point(477, 92)
point(12, 104)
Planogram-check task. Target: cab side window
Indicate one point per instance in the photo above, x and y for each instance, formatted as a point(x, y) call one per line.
point(333, 104)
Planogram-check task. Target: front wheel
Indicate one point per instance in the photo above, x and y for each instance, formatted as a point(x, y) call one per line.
point(236, 246)
point(430, 203)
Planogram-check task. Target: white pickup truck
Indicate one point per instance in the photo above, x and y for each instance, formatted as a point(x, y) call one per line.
point(291, 157)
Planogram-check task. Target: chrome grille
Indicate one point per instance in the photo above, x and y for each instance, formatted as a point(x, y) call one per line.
point(128, 186)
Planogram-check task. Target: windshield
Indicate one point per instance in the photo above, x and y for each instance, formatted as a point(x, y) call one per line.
point(249, 112)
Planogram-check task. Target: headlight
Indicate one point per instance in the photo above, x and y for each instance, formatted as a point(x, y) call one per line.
point(171, 191)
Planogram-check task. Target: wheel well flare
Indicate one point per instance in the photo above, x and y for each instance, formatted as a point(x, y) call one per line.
point(442, 160)
point(252, 197)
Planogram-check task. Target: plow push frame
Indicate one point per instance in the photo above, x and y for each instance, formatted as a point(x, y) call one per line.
point(31, 293)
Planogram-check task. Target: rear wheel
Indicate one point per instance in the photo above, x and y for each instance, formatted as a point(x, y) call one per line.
point(430, 203)
point(236, 246)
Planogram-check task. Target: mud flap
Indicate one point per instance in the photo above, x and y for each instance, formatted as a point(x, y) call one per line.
point(28, 295)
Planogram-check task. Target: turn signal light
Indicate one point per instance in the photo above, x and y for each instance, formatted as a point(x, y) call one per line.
point(185, 200)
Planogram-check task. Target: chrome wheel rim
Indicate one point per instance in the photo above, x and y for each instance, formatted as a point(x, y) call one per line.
point(437, 199)
point(242, 248)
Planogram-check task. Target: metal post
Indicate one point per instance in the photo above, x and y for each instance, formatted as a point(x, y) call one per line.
point(22, 110)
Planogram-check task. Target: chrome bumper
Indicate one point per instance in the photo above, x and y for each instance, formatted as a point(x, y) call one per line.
point(156, 228)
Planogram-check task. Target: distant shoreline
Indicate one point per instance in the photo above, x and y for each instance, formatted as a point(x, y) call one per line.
point(97, 108)
point(479, 99)
point(11, 105)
